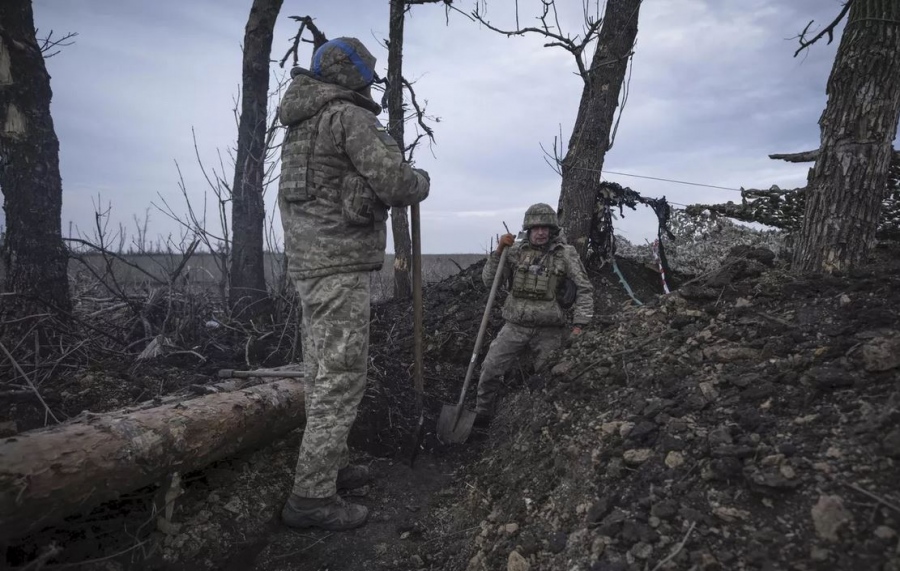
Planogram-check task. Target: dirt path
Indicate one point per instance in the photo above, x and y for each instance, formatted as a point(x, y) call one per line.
point(400, 505)
point(228, 518)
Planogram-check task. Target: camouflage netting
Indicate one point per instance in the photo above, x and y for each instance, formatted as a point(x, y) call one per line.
point(611, 196)
point(687, 242)
point(784, 208)
point(700, 240)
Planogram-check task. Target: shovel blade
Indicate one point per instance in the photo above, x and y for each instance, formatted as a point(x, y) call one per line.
point(453, 431)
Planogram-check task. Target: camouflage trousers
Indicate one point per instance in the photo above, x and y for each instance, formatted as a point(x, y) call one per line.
point(335, 352)
point(509, 345)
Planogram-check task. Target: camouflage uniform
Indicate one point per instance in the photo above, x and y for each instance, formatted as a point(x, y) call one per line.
point(340, 173)
point(535, 319)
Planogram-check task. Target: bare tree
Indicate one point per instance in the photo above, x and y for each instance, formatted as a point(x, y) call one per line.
point(396, 127)
point(394, 96)
point(247, 292)
point(595, 124)
point(846, 187)
point(33, 251)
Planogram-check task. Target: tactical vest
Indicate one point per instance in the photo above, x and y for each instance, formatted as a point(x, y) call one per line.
point(306, 177)
point(537, 276)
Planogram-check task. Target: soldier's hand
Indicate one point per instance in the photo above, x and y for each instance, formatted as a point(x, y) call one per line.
point(505, 241)
point(576, 330)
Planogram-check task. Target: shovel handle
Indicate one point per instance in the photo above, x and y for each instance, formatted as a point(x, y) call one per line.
point(484, 321)
point(418, 349)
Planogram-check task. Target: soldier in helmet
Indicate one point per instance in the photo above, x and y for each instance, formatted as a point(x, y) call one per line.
point(340, 172)
point(540, 267)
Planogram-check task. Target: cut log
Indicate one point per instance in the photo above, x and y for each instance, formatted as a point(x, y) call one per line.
point(48, 474)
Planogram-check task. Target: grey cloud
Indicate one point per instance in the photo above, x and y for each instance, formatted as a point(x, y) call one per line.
point(714, 90)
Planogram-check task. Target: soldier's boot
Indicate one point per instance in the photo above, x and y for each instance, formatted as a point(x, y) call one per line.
point(332, 514)
point(353, 476)
point(482, 421)
point(484, 414)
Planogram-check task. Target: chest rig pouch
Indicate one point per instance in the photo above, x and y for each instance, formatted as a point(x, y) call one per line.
point(297, 177)
point(359, 205)
point(536, 277)
point(358, 202)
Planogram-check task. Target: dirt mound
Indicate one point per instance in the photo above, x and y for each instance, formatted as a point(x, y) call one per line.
point(453, 310)
point(750, 421)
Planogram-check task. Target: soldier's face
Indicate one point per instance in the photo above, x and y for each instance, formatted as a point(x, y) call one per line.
point(539, 235)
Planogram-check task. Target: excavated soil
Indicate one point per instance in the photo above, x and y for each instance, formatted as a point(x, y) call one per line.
point(751, 420)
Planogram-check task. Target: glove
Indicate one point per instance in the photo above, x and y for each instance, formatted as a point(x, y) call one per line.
point(423, 173)
point(505, 241)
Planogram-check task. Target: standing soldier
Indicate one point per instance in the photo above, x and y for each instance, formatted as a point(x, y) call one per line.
point(340, 172)
point(547, 275)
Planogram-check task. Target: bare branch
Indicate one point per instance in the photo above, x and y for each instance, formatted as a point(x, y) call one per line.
point(306, 22)
point(551, 30)
point(48, 43)
point(829, 30)
point(812, 156)
point(804, 157)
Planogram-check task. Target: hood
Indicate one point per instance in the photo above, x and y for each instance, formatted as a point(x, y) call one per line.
point(306, 96)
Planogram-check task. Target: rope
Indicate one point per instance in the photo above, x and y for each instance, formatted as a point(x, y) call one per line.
point(624, 283)
point(604, 171)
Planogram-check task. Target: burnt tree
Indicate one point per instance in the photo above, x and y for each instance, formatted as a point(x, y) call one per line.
point(33, 250)
point(247, 293)
point(399, 217)
point(846, 187)
point(396, 109)
point(592, 134)
point(595, 123)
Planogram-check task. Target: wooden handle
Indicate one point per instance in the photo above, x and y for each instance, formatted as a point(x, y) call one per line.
point(484, 321)
point(418, 352)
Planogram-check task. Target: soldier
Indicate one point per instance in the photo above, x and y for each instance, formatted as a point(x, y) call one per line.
point(340, 172)
point(544, 271)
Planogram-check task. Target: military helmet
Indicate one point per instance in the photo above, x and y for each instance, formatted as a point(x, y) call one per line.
point(345, 62)
point(540, 214)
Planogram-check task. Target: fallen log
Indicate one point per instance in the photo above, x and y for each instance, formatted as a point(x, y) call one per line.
point(48, 474)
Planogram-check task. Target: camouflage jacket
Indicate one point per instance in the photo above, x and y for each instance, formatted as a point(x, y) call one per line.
point(340, 171)
point(560, 259)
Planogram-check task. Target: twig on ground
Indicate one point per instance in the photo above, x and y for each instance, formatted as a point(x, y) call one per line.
point(593, 364)
point(28, 380)
point(878, 499)
point(677, 549)
point(452, 533)
point(99, 559)
point(51, 552)
point(776, 319)
point(307, 548)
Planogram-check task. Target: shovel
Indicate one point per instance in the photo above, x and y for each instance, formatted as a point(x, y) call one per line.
point(455, 422)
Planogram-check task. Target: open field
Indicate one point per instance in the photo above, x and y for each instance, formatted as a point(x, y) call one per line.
point(136, 271)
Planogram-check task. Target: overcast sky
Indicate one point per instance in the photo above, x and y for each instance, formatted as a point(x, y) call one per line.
point(714, 89)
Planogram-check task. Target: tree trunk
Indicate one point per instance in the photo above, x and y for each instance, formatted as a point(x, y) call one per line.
point(33, 251)
point(247, 293)
point(46, 475)
point(399, 217)
point(593, 126)
point(847, 184)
